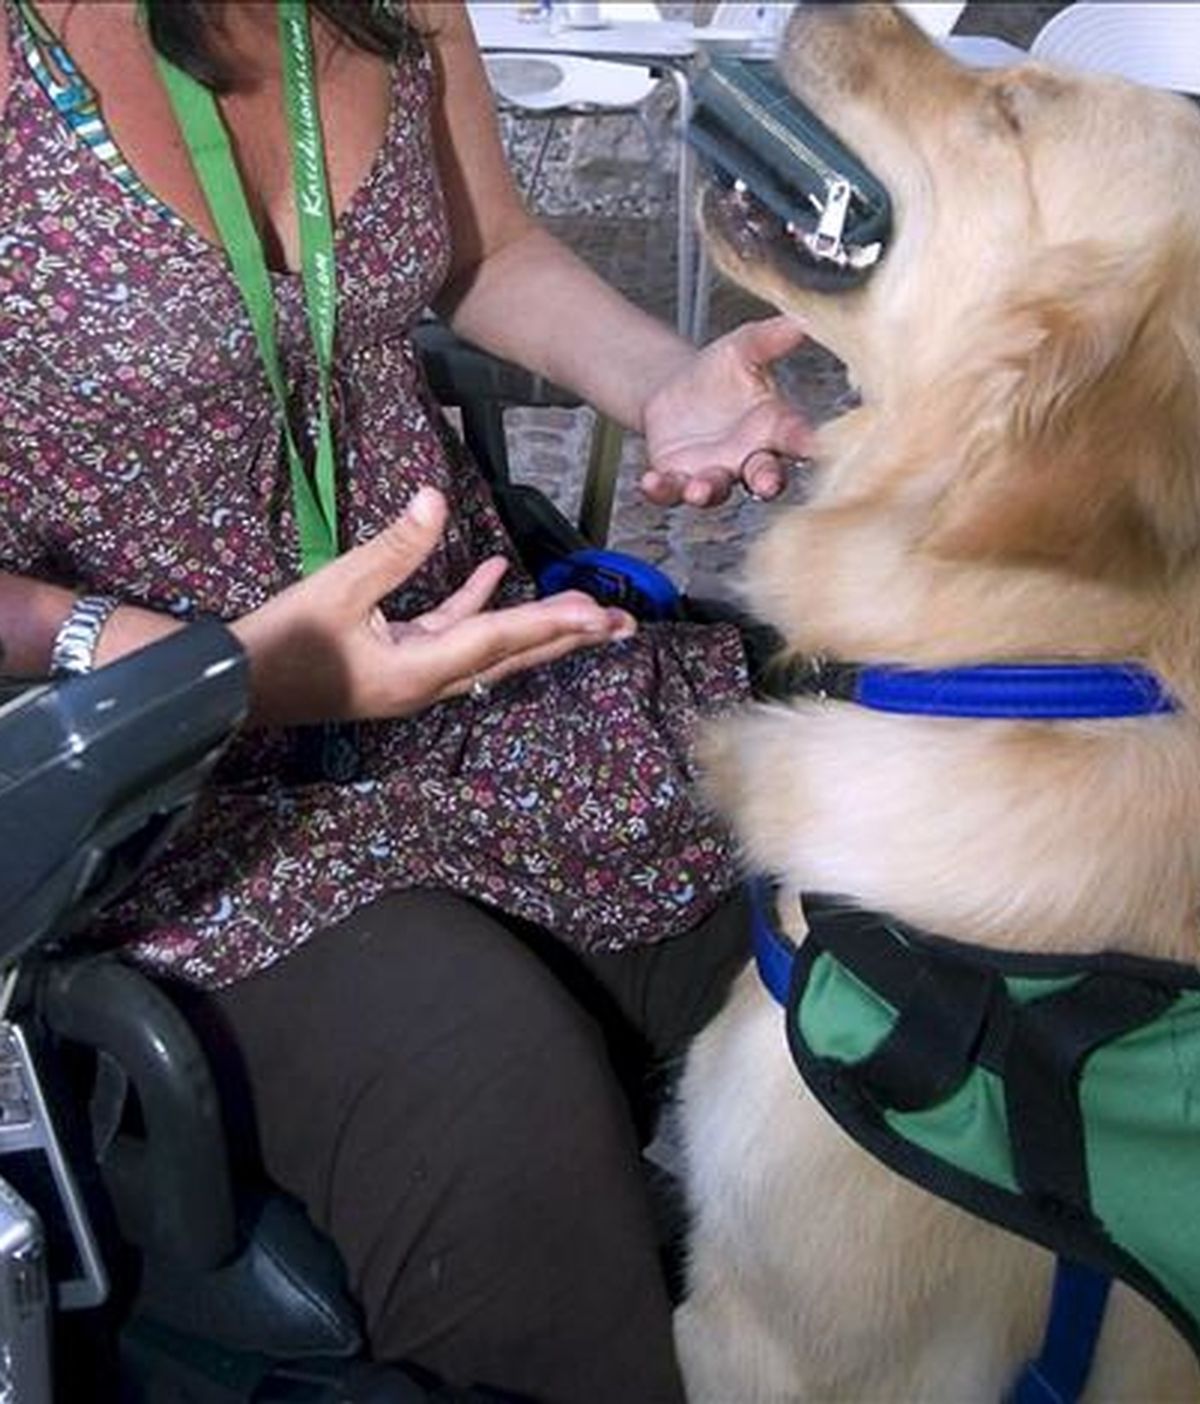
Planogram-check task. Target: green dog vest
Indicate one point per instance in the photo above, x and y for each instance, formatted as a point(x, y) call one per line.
point(1056, 1096)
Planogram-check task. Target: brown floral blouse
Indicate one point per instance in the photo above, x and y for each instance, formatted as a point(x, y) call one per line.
point(140, 455)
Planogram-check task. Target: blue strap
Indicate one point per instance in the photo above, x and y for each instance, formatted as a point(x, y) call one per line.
point(774, 953)
point(614, 578)
point(1018, 691)
point(1060, 1372)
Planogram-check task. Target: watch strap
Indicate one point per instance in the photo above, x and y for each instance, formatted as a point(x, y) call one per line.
point(74, 648)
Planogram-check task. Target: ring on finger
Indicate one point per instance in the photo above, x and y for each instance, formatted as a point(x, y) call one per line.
point(479, 689)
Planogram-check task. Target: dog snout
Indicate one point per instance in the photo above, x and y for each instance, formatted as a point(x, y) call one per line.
point(833, 52)
point(838, 37)
point(813, 16)
point(828, 45)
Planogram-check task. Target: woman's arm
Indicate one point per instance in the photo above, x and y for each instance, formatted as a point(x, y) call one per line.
point(711, 418)
point(513, 288)
point(31, 613)
point(320, 650)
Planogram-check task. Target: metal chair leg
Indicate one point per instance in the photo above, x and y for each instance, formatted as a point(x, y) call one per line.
point(685, 196)
point(535, 175)
point(600, 484)
point(701, 293)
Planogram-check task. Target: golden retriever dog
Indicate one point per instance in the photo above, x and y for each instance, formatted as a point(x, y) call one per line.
point(1020, 482)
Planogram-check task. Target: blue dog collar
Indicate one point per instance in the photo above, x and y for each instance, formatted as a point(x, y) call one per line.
point(1015, 691)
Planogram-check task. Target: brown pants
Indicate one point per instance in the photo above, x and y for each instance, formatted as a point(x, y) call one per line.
point(457, 1101)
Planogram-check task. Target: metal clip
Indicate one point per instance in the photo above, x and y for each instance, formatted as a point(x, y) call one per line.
point(826, 240)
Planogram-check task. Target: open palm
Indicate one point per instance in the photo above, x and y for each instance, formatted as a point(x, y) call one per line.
point(722, 420)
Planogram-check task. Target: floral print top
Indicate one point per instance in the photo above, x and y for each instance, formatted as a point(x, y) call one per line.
point(141, 456)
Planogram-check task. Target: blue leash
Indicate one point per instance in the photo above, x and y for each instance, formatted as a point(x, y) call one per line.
point(1060, 1371)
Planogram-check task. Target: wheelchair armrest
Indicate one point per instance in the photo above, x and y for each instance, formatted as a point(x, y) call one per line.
point(171, 1190)
point(263, 1280)
point(97, 771)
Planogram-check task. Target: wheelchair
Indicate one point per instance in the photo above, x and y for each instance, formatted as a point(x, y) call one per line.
point(152, 1273)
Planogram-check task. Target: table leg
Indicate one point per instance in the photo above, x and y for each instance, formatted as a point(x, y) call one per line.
point(701, 289)
point(685, 242)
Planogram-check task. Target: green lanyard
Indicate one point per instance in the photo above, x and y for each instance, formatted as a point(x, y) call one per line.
point(314, 497)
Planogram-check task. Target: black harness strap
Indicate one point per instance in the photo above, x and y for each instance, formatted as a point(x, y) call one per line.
point(952, 1015)
point(1038, 1047)
point(944, 1008)
point(1049, 1041)
point(929, 1051)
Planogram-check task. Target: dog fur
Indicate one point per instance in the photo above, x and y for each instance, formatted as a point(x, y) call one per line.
point(1021, 482)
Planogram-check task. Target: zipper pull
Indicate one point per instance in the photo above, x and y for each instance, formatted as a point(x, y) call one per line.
point(826, 240)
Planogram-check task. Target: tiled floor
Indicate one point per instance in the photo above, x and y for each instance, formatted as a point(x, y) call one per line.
point(610, 196)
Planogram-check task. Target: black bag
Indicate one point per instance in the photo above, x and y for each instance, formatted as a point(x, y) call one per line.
point(751, 132)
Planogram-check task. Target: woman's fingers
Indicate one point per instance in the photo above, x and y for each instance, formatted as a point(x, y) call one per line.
point(321, 648)
point(495, 644)
point(660, 488)
point(373, 570)
point(781, 438)
point(756, 452)
point(703, 487)
point(767, 340)
point(787, 433)
point(708, 487)
point(487, 640)
point(536, 657)
point(470, 597)
point(763, 474)
point(736, 426)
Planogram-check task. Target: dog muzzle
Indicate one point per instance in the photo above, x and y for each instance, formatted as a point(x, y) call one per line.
point(1057, 1096)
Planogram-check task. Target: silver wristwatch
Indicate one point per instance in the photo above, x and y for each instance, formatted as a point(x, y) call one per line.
point(74, 648)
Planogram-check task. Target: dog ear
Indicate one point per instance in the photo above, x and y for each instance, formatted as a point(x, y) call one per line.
point(1084, 450)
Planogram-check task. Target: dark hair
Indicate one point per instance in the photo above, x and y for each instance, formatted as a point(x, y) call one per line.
point(182, 31)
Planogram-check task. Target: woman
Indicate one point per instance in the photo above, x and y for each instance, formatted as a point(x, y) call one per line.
point(439, 771)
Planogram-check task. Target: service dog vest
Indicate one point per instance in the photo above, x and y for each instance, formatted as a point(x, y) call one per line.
point(1056, 1096)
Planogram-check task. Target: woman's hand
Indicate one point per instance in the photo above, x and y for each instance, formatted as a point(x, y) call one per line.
point(720, 420)
point(321, 650)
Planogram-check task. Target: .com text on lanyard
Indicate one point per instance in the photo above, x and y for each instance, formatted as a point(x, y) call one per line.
point(314, 494)
point(327, 752)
